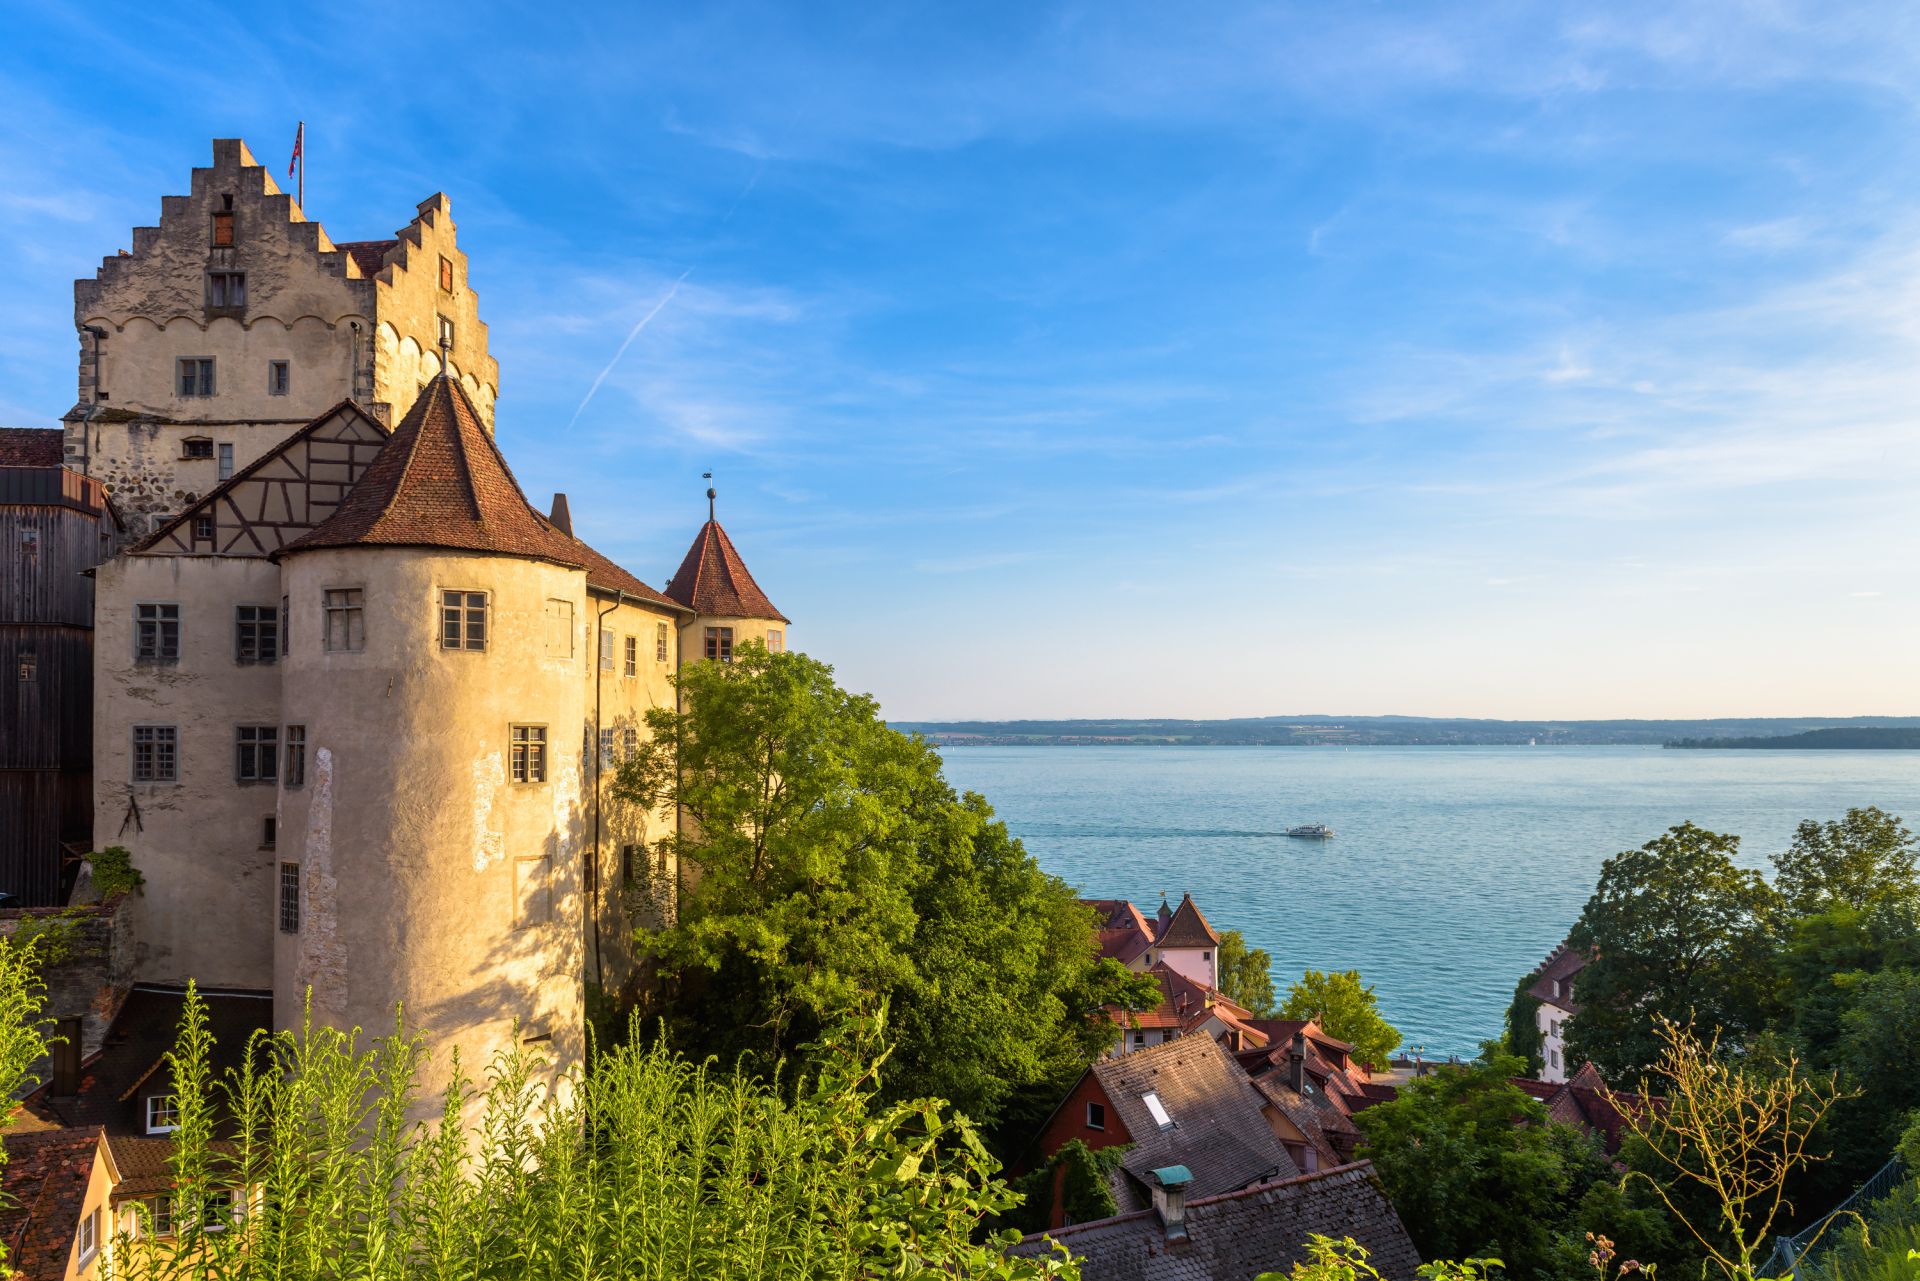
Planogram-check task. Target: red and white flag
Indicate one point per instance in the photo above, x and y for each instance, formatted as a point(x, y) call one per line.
point(299, 138)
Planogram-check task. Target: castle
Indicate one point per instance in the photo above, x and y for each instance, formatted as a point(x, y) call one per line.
point(357, 703)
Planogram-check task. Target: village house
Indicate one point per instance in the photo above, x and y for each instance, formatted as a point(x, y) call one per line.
point(1212, 1183)
point(1552, 987)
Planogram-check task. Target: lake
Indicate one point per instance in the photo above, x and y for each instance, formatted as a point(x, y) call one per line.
point(1454, 869)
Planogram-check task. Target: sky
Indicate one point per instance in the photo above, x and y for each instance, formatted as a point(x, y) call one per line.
point(1109, 359)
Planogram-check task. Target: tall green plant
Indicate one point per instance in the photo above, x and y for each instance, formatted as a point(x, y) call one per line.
point(650, 1167)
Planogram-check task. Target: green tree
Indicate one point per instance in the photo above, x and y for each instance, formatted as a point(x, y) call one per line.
point(1347, 1011)
point(1680, 932)
point(1246, 974)
point(833, 868)
point(1476, 1169)
point(1878, 1033)
point(1860, 861)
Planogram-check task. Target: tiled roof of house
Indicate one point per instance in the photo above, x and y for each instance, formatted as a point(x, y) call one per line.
point(368, 255)
point(45, 1188)
point(1121, 930)
point(1327, 1126)
point(1553, 981)
point(1241, 1234)
point(1345, 1085)
point(32, 446)
point(1216, 1127)
point(1184, 1004)
point(1187, 928)
point(714, 581)
point(145, 1163)
point(134, 1052)
point(440, 481)
point(1584, 1102)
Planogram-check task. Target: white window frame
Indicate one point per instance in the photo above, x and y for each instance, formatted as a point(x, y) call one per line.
point(659, 642)
point(87, 1236)
point(458, 614)
point(162, 1103)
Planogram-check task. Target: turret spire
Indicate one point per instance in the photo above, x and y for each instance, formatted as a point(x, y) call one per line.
point(708, 477)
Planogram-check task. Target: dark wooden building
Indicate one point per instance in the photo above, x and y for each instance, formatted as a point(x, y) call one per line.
point(55, 524)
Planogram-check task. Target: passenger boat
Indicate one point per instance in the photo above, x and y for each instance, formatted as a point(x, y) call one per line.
point(1311, 831)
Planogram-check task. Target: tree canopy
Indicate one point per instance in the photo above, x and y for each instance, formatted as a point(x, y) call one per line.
point(1246, 974)
point(1347, 1011)
point(1678, 929)
point(830, 866)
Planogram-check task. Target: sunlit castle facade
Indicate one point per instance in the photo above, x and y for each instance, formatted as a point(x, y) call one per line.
point(359, 704)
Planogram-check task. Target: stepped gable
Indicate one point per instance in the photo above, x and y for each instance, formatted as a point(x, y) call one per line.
point(31, 447)
point(1187, 928)
point(440, 481)
point(1553, 981)
point(713, 581)
point(368, 256)
point(40, 1201)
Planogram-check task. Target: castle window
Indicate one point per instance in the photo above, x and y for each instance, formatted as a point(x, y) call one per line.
point(346, 619)
point(256, 753)
point(296, 771)
point(720, 643)
point(223, 228)
point(279, 377)
point(606, 747)
point(529, 753)
point(196, 379)
point(203, 529)
point(226, 462)
point(463, 620)
point(256, 634)
point(196, 446)
point(446, 274)
point(659, 642)
point(776, 641)
point(606, 650)
point(156, 754)
point(227, 289)
point(631, 741)
point(269, 832)
point(163, 1114)
point(29, 666)
point(633, 656)
point(289, 898)
point(156, 634)
point(627, 860)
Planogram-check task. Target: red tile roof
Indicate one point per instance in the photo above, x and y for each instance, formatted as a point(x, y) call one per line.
point(1187, 928)
point(45, 1188)
point(31, 446)
point(1121, 931)
point(1585, 1102)
point(1553, 981)
point(440, 481)
point(714, 581)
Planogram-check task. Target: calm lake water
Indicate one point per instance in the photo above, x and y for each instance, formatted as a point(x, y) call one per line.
point(1454, 871)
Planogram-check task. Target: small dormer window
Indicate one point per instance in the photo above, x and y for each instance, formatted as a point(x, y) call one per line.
point(163, 1114)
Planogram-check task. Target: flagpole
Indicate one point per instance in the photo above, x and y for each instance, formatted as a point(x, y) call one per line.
point(303, 165)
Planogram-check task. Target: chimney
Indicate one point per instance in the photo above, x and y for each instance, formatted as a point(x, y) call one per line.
point(1297, 1063)
point(560, 517)
point(1170, 1199)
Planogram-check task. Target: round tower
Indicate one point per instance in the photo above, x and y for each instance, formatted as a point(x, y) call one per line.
point(432, 855)
point(729, 609)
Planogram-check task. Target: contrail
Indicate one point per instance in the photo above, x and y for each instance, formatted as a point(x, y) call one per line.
point(631, 335)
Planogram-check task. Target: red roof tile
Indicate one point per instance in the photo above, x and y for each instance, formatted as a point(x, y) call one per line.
point(45, 1188)
point(31, 446)
point(1187, 928)
point(714, 581)
point(1553, 981)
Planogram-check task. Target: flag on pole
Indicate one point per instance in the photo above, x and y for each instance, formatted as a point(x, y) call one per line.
point(299, 137)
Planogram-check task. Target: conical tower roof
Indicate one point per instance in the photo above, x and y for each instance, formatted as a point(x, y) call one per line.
point(713, 581)
point(440, 481)
point(1187, 928)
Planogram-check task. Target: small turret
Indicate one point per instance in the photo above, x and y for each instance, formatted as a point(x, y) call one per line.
point(729, 607)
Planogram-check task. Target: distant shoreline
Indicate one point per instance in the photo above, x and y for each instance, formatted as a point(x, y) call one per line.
point(1829, 733)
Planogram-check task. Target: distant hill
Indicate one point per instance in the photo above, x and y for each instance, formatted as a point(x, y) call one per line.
point(1397, 731)
point(1864, 737)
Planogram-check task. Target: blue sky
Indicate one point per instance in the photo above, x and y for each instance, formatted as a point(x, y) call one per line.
point(1107, 359)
